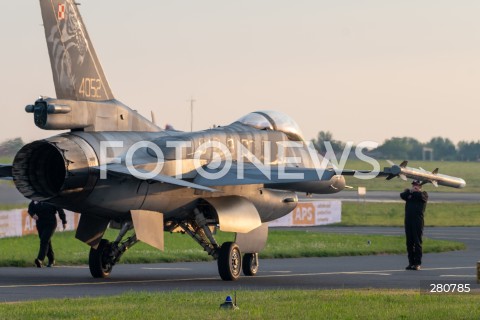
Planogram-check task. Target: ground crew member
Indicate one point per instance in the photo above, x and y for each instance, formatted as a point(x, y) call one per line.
point(415, 204)
point(46, 221)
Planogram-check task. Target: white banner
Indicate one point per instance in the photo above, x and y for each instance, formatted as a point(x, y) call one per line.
point(313, 213)
point(16, 223)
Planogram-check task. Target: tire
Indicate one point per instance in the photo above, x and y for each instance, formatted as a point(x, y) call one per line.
point(250, 264)
point(229, 261)
point(97, 260)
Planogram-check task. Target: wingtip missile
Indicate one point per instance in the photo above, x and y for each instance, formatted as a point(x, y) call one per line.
point(423, 175)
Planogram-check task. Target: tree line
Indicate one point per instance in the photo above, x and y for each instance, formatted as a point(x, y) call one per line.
point(408, 148)
point(9, 148)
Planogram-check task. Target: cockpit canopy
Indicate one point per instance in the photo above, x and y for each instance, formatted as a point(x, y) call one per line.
point(273, 120)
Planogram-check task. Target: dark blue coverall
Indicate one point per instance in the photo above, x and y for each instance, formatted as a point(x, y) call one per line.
point(46, 225)
point(415, 204)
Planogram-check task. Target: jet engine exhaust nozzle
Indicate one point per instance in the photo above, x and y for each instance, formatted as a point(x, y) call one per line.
point(55, 167)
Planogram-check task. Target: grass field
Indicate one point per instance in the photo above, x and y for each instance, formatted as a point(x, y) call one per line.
point(6, 160)
point(278, 304)
point(178, 247)
point(392, 214)
point(6, 207)
point(469, 171)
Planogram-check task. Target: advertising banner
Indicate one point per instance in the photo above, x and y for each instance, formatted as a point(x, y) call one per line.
point(17, 222)
point(312, 213)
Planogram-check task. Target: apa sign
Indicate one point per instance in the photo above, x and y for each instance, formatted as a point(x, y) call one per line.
point(312, 213)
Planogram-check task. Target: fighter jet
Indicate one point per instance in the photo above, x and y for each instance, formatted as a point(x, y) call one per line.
point(118, 169)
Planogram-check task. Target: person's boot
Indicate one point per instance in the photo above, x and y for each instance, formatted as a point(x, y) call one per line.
point(38, 263)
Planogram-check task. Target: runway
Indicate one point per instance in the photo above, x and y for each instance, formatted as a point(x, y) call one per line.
point(381, 271)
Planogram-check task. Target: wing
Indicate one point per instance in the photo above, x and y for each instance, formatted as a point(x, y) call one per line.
point(250, 174)
point(121, 170)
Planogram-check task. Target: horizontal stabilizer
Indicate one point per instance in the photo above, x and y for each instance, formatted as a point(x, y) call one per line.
point(5, 171)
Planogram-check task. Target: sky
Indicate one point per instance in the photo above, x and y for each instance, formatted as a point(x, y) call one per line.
point(364, 70)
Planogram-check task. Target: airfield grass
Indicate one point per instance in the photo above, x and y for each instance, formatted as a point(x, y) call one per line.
point(392, 214)
point(6, 160)
point(11, 206)
point(271, 304)
point(469, 171)
point(20, 252)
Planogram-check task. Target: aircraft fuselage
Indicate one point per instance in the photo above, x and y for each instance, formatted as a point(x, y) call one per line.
point(64, 170)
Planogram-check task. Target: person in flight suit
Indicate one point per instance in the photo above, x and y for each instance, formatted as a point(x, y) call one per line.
point(415, 204)
point(44, 215)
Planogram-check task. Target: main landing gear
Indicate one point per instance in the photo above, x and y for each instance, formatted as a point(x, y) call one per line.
point(230, 262)
point(102, 259)
point(229, 258)
point(250, 264)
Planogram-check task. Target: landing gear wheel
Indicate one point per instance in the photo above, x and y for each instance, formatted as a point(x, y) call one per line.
point(250, 264)
point(229, 261)
point(99, 260)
